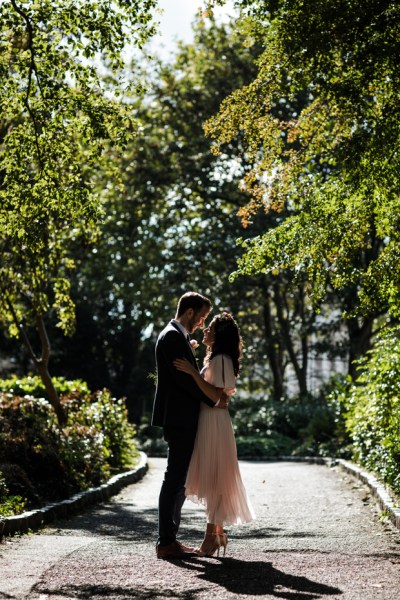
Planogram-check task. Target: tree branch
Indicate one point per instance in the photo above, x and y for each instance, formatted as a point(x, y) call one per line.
point(285, 329)
point(32, 69)
point(44, 339)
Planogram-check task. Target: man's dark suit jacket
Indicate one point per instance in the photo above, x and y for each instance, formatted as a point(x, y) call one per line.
point(177, 399)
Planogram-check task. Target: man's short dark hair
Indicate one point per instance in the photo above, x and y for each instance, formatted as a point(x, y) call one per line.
point(192, 300)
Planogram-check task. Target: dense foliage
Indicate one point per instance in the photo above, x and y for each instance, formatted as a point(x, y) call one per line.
point(373, 409)
point(312, 425)
point(40, 462)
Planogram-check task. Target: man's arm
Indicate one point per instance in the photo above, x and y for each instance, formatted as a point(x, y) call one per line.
point(213, 392)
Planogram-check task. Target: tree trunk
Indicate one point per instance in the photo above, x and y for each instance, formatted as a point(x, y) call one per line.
point(273, 351)
point(42, 367)
point(359, 341)
point(41, 363)
point(304, 342)
point(284, 323)
point(51, 391)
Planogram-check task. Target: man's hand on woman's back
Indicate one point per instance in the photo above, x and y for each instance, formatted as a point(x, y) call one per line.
point(223, 401)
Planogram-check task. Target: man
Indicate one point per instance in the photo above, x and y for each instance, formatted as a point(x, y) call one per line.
point(176, 410)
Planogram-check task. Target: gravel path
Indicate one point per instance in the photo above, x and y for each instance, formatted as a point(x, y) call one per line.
point(317, 535)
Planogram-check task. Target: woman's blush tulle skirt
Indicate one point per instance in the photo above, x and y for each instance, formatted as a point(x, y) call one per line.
point(213, 477)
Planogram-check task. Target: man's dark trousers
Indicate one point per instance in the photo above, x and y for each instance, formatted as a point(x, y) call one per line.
point(180, 442)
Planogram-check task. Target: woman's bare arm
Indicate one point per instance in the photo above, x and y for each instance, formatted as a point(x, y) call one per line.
point(212, 392)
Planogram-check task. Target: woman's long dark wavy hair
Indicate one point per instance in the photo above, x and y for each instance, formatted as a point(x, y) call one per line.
point(227, 340)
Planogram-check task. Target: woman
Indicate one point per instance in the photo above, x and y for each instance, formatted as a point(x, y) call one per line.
point(213, 477)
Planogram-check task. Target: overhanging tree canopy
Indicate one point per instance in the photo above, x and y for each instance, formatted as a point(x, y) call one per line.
point(57, 114)
point(336, 163)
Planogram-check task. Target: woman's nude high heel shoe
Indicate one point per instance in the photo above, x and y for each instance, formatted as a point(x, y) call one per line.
point(213, 540)
point(209, 545)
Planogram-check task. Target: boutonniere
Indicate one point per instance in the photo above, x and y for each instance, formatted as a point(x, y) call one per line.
point(194, 345)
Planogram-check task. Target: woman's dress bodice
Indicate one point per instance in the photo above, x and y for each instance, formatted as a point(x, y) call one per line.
point(219, 372)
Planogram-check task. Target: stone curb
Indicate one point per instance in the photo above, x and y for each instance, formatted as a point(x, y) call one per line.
point(382, 493)
point(317, 460)
point(34, 519)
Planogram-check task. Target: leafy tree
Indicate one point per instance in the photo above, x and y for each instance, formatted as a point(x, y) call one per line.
point(335, 164)
point(57, 115)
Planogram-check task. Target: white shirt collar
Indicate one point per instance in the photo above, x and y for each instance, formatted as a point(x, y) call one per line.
point(181, 327)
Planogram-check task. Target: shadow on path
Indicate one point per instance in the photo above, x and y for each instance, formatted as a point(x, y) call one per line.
point(128, 522)
point(239, 577)
point(258, 578)
point(121, 522)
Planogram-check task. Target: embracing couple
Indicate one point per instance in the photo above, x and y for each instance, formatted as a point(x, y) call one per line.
point(191, 407)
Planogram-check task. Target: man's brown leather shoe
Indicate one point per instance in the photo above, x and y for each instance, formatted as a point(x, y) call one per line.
point(190, 549)
point(173, 550)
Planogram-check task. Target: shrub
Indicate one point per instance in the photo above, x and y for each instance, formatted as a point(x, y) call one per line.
point(32, 385)
point(109, 417)
point(270, 445)
point(52, 462)
point(314, 425)
point(325, 433)
point(373, 409)
point(9, 504)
